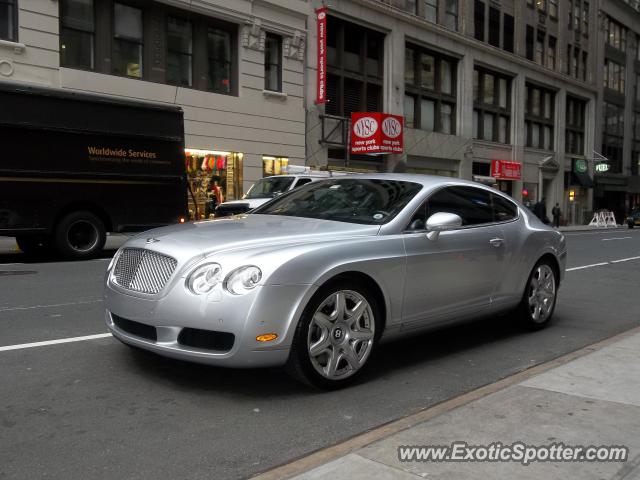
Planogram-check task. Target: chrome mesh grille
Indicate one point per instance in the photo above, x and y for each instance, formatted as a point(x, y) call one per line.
point(143, 270)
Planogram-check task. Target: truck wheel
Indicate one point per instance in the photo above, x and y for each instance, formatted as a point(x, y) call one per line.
point(80, 235)
point(33, 244)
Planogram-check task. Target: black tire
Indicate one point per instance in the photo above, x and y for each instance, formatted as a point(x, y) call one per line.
point(300, 364)
point(34, 245)
point(80, 235)
point(526, 310)
point(630, 225)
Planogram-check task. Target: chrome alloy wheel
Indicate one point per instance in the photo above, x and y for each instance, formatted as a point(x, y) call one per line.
point(341, 334)
point(541, 293)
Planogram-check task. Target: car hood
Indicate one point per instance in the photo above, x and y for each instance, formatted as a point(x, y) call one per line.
point(189, 240)
point(252, 202)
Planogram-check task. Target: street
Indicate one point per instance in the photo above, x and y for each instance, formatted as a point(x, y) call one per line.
point(97, 409)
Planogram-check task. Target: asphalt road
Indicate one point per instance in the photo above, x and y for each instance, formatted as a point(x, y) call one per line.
point(96, 409)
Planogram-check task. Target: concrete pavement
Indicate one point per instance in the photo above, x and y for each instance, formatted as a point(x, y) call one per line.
point(593, 399)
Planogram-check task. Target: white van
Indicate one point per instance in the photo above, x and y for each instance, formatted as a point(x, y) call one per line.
point(270, 187)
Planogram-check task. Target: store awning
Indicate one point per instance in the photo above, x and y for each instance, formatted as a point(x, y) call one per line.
point(583, 179)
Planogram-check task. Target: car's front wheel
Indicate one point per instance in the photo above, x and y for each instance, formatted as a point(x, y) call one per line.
point(539, 299)
point(336, 336)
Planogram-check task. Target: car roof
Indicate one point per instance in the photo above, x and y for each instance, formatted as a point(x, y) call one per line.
point(425, 180)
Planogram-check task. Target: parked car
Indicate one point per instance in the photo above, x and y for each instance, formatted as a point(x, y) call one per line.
point(633, 219)
point(316, 278)
point(268, 188)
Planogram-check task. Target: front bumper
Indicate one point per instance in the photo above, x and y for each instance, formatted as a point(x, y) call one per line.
point(267, 309)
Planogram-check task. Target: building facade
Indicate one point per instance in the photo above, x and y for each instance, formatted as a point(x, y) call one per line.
point(236, 68)
point(476, 81)
point(553, 85)
point(617, 184)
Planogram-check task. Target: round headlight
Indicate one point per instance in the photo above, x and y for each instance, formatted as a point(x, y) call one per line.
point(204, 278)
point(243, 279)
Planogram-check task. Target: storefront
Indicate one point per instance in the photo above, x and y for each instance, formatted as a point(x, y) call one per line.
point(214, 177)
point(578, 187)
point(274, 165)
point(500, 174)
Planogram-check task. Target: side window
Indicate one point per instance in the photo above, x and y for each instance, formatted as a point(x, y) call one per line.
point(302, 181)
point(472, 205)
point(503, 209)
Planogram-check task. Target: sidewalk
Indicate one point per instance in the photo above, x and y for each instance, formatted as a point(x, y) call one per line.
point(590, 397)
point(580, 228)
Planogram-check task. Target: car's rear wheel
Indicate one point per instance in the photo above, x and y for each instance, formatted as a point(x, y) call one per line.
point(630, 224)
point(336, 337)
point(80, 235)
point(539, 299)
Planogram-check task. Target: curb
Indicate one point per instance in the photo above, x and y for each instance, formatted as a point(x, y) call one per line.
point(320, 457)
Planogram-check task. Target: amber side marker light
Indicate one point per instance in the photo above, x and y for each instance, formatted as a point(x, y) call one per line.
point(267, 337)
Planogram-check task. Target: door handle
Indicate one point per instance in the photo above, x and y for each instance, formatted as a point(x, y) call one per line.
point(496, 242)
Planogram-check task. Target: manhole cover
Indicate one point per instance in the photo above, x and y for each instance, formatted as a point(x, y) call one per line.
point(5, 273)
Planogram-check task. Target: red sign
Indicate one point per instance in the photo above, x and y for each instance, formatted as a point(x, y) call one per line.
point(321, 19)
point(506, 170)
point(376, 132)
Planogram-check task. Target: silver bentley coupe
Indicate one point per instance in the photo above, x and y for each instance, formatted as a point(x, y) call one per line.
point(316, 278)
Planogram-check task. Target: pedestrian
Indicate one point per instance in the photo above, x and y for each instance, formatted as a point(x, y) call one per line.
point(556, 212)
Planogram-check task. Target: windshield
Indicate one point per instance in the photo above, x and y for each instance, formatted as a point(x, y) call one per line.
point(269, 187)
point(371, 202)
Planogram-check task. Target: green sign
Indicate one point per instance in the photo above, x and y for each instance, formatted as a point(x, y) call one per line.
point(602, 167)
point(580, 165)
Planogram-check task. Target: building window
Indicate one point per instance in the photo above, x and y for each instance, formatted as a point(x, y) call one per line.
point(635, 155)
point(430, 97)
point(553, 9)
point(614, 76)
point(8, 20)
point(575, 126)
point(585, 19)
point(354, 68)
point(491, 105)
point(539, 117)
point(498, 23)
point(478, 20)
point(494, 27)
point(577, 65)
point(409, 6)
point(529, 43)
point(551, 53)
point(542, 6)
point(579, 16)
point(273, 63)
point(219, 55)
point(179, 52)
point(431, 10)
point(508, 29)
point(539, 52)
point(615, 34)
point(77, 34)
point(127, 41)
point(195, 51)
point(451, 14)
point(613, 135)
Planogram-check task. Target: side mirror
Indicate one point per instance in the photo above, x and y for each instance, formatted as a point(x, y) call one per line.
point(441, 221)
